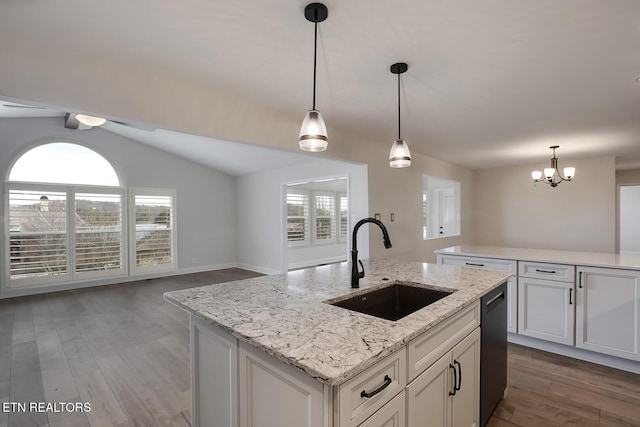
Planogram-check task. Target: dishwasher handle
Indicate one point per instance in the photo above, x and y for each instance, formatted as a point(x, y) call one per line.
point(495, 301)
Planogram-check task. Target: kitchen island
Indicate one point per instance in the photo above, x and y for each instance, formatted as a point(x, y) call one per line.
point(247, 333)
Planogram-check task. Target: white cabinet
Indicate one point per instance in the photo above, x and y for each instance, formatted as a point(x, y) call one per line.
point(235, 384)
point(546, 301)
point(492, 264)
point(393, 414)
point(608, 311)
point(448, 392)
point(276, 394)
point(361, 396)
point(214, 369)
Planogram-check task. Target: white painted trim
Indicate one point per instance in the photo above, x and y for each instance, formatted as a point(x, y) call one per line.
point(316, 262)
point(258, 269)
point(18, 292)
point(576, 353)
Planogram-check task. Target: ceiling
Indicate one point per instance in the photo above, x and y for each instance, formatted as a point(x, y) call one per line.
point(490, 83)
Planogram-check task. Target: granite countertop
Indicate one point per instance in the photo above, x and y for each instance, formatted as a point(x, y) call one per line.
point(586, 259)
point(286, 315)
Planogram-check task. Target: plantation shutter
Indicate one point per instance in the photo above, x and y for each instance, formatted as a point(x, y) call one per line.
point(344, 220)
point(325, 210)
point(38, 234)
point(98, 232)
point(154, 230)
point(297, 217)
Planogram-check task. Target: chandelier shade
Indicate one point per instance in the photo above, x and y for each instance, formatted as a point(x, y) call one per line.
point(552, 175)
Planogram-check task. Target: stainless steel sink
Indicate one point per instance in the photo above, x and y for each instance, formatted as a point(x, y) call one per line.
point(393, 302)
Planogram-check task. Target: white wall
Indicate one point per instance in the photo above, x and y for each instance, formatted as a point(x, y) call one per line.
point(509, 210)
point(261, 216)
point(205, 198)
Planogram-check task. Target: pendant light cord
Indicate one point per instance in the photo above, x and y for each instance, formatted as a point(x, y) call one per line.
point(315, 55)
point(399, 135)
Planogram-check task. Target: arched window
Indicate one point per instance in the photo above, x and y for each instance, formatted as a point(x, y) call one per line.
point(66, 218)
point(64, 163)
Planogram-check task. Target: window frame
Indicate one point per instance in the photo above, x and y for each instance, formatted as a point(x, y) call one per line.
point(72, 278)
point(158, 192)
point(71, 275)
point(306, 242)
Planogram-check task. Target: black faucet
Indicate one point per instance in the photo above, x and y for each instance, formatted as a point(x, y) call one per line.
point(355, 274)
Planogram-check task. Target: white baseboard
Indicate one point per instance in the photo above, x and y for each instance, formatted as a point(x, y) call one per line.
point(40, 289)
point(258, 269)
point(576, 353)
point(316, 262)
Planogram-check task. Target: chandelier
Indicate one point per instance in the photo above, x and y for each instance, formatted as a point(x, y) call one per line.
point(551, 174)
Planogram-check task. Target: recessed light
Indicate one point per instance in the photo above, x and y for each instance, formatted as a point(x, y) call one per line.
point(637, 79)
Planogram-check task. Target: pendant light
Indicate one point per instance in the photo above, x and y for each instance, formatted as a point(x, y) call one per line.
point(399, 157)
point(313, 133)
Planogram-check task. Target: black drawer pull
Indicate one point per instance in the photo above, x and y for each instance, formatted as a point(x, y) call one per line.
point(459, 386)
point(545, 271)
point(570, 293)
point(475, 265)
point(387, 382)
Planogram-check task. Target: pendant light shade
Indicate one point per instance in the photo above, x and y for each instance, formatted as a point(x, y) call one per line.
point(399, 156)
point(313, 132)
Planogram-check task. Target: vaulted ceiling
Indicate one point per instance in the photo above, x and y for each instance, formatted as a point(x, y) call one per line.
point(490, 83)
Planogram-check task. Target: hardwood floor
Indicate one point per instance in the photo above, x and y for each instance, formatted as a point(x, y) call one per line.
point(121, 348)
point(551, 390)
point(124, 350)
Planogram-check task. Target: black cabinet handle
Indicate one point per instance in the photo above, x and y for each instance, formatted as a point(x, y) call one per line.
point(570, 293)
point(580, 280)
point(457, 388)
point(545, 271)
point(476, 265)
point(387, 382)
point(455, 380)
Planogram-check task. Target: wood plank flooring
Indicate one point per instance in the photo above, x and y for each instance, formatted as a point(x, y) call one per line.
point(121, 348)
point(125, 350)
point(550, 390)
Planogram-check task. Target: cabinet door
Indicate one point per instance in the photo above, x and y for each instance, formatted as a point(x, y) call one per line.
point(428, 395)
point(214, 370)
point(465, 403)
point(392, 414)
point(275, 394)
point(608, 309)
point(512, 305)
point(546, 309)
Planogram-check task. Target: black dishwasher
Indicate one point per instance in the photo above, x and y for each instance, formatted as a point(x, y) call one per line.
point(493, 351)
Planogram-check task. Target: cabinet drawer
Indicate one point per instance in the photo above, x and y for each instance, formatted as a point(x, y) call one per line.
point(537, 270)
point(354, 407)
point(433, 344)
point(475, 262)
point(392, 414)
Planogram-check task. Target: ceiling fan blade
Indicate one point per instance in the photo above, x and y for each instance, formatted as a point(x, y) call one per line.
point(22, 106)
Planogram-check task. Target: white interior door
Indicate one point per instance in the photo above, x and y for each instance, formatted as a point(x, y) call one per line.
point(446, 212)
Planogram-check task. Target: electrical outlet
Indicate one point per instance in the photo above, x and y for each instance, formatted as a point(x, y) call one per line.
point(393, 216)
